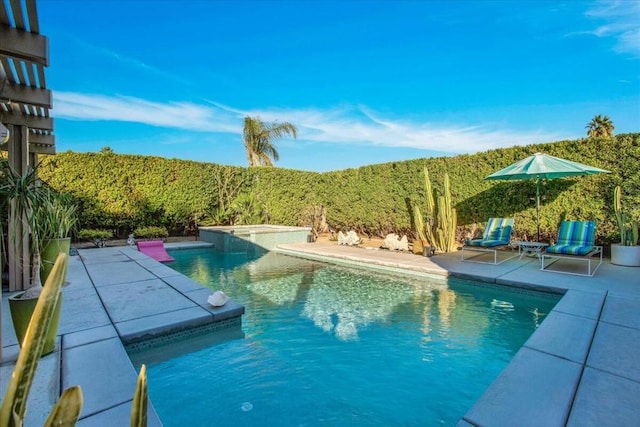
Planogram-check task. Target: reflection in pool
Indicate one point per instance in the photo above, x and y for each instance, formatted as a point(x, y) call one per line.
point(328, 345)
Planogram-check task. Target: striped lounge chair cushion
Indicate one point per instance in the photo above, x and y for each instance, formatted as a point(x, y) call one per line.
point(574, 238)
point(497, 232)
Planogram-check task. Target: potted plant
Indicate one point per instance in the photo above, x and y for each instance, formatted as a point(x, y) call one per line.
point(22, 196)
point(627, 252)
point(55, 220)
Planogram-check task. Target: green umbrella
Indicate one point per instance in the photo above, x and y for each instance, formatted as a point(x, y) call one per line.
point(542, 166)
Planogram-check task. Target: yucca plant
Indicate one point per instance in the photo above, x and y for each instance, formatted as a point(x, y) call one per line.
point(21, 197)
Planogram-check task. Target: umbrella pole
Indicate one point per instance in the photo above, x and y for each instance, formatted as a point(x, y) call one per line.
point(538, 205)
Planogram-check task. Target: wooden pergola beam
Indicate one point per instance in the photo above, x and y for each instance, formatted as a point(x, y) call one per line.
point(33, 122)
point(40, 140)
point(27, 95)
point(17, 43)
point(38, 143)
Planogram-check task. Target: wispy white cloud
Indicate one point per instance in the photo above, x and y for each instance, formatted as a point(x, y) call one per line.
point(621, 20)
point(340, 125)
point(177, 115)
point(130, 62)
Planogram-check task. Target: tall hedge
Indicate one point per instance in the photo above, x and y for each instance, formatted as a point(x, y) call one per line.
point(122, 192)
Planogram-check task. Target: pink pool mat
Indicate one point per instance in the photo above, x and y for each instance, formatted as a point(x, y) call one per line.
point(155, 249)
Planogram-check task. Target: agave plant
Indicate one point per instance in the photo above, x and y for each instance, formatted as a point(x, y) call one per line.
point(55, 218)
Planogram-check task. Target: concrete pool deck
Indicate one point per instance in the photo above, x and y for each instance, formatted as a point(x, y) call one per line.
point(581, 367)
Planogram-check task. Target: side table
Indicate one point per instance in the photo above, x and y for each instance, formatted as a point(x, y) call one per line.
point(530, 248)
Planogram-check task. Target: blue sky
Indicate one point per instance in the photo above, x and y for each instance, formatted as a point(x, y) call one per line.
point(365, 81)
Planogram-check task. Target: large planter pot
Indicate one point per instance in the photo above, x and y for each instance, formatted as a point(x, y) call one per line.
point(21, 311)
point(49, 254)
point(625, 255)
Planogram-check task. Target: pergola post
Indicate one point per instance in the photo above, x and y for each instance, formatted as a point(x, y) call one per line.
point(25, 103)
point(18, 237)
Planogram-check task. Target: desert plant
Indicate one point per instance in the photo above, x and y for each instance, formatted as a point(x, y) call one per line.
point(446, 220)
point(426, 233)
point(55, 218)
point(628, 227)
point(21, 196)
point(438, 228)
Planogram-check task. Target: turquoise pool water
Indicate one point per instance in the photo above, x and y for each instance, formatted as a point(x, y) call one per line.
point(326, 345)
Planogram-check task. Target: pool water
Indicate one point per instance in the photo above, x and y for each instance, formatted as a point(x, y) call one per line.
point(327, 345)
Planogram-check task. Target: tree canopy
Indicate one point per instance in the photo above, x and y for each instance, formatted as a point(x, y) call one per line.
point(258, 139)
point(600, 126)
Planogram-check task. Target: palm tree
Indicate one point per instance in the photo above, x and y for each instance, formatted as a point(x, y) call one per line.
point(600, 126)
point(258, 136)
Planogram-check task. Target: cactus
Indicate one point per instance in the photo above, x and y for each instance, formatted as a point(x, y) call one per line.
point(420, 228)
point(425, 231)
point(430, 204)
point(441, 216)
point(139, 406)
point(628, 228)
point(446, 220)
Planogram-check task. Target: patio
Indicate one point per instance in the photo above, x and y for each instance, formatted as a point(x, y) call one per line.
point(579, 368)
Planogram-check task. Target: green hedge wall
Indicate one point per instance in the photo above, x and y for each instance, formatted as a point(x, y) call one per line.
point(122, 192)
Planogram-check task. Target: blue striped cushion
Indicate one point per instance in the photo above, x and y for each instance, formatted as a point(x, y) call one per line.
point(486, 243)
point(577, 233)
point(496, 233)
point(498, 229)
point(569, 249)
point(574, 238)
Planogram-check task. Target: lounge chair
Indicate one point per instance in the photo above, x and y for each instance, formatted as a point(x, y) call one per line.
point(497, 235)
point(576, 242)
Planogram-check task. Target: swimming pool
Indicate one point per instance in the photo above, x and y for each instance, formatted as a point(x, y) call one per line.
point(327, 345)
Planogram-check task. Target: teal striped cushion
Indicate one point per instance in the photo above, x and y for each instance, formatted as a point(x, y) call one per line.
point(577, 233)
point(497, 232)
point(575, 238)
point(486, 243)
point(569, 249)
point(498, 229)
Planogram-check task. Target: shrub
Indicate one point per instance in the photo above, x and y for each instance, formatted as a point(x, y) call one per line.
point(94, 234)
point(151, 232)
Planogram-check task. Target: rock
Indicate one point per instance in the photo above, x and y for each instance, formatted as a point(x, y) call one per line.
point(351, 238)
point(218, 299)
point(394, 243)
